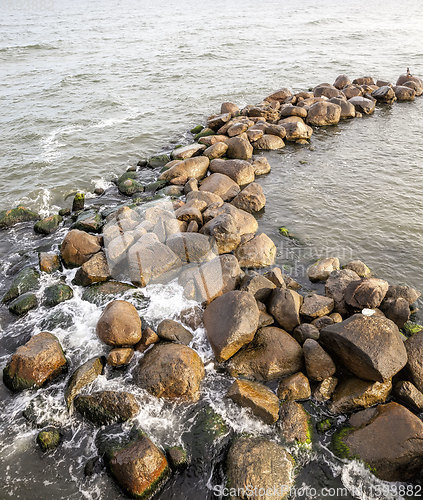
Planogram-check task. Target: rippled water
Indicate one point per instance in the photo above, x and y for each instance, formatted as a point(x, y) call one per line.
point(88, 88)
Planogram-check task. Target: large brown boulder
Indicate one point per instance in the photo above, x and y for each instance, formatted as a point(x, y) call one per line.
point(404, 93)
point(35, 363)
point(347, 109)
point(231, 321)
point(320, 270)
point(94, 270)
point(272, 354)
point(119, 324)
point(284, 305)
point(294, 387)
point(107, 407)
point(319, 365)
point(404, 292)
point(324, 113)
point(78, 247)
point(187, 169)
point(269, 142)
point(192, 247)
point(371, 347)
point(251, 199)
point(367, 293)
point(139, 467)
point(397, 310)
point(260, 399)
point(414, 347)
point(184, 152)
point(336, 286)
point(172, 371)
point(280, 95)
point(257, 252)
point(315, 306)
point(389, 439)
point(239, 148)
point(363, 105)
point(341, 82)
point(259, 464)
point(297, 130)
point(82, 376)
point(353, 393)
point(221, 185)
point(240, 171)
point(384, 94)
point(294, 423)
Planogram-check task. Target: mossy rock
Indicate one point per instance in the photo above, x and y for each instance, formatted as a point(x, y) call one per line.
point(48, 440)
point(127, 175)
point(25, 281)
point(48, 225)
point(338, 446)
point(56, 294)
point(101, 293)
point(8, 218)
point(324, 425)
point(23, 304)
point(178, 457)
point(204, 133)
point(411, 328)
point(78, 202)
point(197, 129)
point(130, 187)
point(158, 160)
point(57, 318)
point(152, 187)
point(65, 212)
point(89, 221)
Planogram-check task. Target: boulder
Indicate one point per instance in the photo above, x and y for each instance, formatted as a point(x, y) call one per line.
point(319, 364)
point(352, 91)
point(94, 270)
point(347, 109)
point(353, 393)
point(26, 280)
point(107, 407)
point(257, 397)
point(414, 347)
point(306, 331)
point(48, 225)
point(35, 363)
point(48, 439)
point(371, 347)
point(172, 371)
point(336, 286)
point(173, 331)
point(404, 292)
point(23, 304)
point(276, 277)
point(271, 355)
point(258, 285)
point(297, 131)
point(367, 293)
point(56, 294)
point(290, 110)
point(257, 252)
point(78, 247)
point(240, 171)
point(229, 107)
point(397, 310)
point(325, 390)
point(239, 148)
point(295, 387)
point(101, 293)
point(209, 198)
point(315, 306)
point(221, 185)
point(409, 395)
point(325, 90)
point(119, 324)
point(320, 270)
point(91, 221)
point(323, 321)
point(384, 94)
point(49, 262)
point(148, 337)
point(324, 113)
point(363, 105)
point(237, 129)
point(254, 134)
point(9, 218)
point(216, 150)
point(83, 376)
point(359, 268)
point(255, 463)
point(192, 247)
point(149, 260)
point(185, 152)
point(341, 82)
point(187, 169)
point(390, 441)
point(403, 93)
point(365, 80)
point(251, 199)
point(120, 356)
point(138, 467)
point(284, 305)
point(269, 142)
point(215, 122)
point(261, 165)
point(280, 95)
point(294, 423)
point(231, 321)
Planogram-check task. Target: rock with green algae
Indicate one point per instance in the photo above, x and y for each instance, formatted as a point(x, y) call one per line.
point(23, 304)
point(158, 160)
point(78, 202)
point(324, 425)
point(8, 218)
point(178, 457)
point(295, 423)
point(26, 280)
point(130, 187)
point(101, 293)
point(338, 446)
point(56, 294)
point(48, 225)
point(410, 328)
point(48, 440)
point(204, 133)
point(90, 221)
point(197, 129)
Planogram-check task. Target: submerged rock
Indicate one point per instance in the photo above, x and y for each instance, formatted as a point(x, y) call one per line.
point(56, 294)
point(83, 376)
point(257, 463)
point(371, 347)
point(119, 324)
point(48, 440)
point(231, 321)
point(272, 354)
point(26, 280)
point(101, 293)
point(261, 400)
point(9, 218)
point(107, 407)
point(23, 304)
point(35, 363)
point(48, 225)
point(172, 371)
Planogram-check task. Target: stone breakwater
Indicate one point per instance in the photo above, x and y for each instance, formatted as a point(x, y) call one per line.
point(353, 348)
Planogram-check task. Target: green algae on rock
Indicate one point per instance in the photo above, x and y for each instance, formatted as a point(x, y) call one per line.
point(48, 225)
point(9, 218)
point(23, 304)
point(48, 440)
point(26, 280)
point(56, 294)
